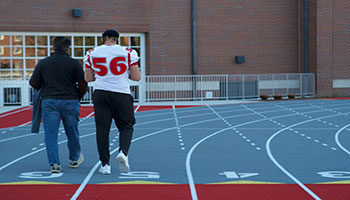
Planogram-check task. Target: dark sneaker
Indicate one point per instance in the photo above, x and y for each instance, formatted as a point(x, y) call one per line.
point(56, 168)
point(76, 163)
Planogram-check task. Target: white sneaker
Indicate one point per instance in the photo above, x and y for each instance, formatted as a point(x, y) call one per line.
point(123, 162)
point(105, 169)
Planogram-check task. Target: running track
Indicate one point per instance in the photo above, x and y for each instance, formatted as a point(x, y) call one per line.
point(269, 150)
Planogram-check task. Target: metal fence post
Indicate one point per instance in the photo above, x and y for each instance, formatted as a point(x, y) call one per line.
point(301, 84)
point(226, 83)
point(273, 84)
point(258, 85)
point(175, 92)
point(243, 80)
point(287, 84)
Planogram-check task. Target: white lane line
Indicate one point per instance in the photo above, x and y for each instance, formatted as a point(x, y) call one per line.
point(87, 116)
point(268, 143)
point(178, 128)
point(85, 182)
point(17, 111)
point(230, 125)
point(209, 120)
point(92, 171)
point(188, 157)
point(22, 136)
point(137, 108)
point(30, 134)
point(37, 151)
point(87, 179)
point(337, 139)
point(204, 121)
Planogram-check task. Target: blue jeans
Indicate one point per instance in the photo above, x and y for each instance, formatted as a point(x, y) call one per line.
point(52, 111)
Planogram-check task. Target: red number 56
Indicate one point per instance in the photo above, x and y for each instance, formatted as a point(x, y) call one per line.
point(115, 66)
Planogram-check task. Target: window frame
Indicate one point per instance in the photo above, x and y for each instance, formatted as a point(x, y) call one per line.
point(72, 35)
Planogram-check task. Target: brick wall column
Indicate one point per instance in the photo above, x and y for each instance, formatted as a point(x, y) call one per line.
point(324, 47)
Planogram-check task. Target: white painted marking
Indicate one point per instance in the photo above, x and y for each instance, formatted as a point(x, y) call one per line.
point(87, 178)
point(337, 139)
point(245, 175)
point(40, 175)
point(35, 148)
point(230, 174)
point(280, 166)
point(137, 108)
point(234, 175)
point(26, 135)
point(335, 174)
point(140, 175)
point(17, 111)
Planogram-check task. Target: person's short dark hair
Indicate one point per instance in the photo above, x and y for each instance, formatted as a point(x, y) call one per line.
point(61, 44)
point(110, 33)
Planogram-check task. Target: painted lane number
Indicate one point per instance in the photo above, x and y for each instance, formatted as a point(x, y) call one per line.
point(40, 175)
point(335, 174)
point(140, 175)
point(232, 174)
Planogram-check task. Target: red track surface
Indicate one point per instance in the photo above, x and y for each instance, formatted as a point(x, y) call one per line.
point(174, 192)
point(20, 116)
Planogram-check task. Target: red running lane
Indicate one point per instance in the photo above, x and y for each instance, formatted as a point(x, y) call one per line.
point(173, 191)
point(37, 192)
point(136, 192)
point(16, 119)
point(13, 119)
point(271, 191)
point(14, 110)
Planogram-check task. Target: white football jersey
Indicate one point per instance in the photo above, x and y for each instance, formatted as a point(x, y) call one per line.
point(111, 65)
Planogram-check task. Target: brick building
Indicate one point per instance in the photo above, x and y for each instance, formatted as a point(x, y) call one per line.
point(269, 34)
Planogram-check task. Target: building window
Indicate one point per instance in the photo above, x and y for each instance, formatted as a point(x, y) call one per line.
point(20, 52)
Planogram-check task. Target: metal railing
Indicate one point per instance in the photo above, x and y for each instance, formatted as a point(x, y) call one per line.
point(187, 88)
point(226, 87)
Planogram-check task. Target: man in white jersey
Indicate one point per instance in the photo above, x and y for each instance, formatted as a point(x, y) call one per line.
point(111, 66)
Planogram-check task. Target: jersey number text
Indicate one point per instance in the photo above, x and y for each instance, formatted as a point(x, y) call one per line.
point(117, 66)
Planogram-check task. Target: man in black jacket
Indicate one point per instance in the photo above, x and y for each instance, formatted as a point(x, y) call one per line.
point(61, 79)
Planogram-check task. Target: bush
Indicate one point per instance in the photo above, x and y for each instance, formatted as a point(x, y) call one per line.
point(264, 97)
point(291, 96)
point(277, 97)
